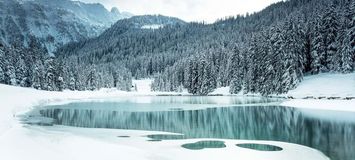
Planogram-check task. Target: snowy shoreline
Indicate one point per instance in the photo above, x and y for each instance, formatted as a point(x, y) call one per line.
point(17, 100)
point(60, 142)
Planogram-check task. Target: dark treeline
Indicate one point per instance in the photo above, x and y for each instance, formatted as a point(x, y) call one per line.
point(34, 67)
point(30, 30)
point(29, 67)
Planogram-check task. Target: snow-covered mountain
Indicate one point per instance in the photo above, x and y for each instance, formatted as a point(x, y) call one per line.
point(53, 22)
point(128, 29)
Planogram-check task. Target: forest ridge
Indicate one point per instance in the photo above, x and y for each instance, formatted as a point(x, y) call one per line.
point(268, 52)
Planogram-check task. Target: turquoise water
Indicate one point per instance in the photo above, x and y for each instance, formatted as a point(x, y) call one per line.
point(214, 117)
point(204, 144)
point(260, 147)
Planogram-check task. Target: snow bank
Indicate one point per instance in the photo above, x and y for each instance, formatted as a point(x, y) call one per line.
point(334, 105)
point(326, 85)
point(143, 86)
point(221, 91)
point(330, 85)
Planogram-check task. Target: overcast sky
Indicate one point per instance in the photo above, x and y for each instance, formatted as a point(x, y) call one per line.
point(188, 10)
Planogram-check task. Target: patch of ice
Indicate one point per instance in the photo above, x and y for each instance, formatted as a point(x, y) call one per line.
point(335, 105)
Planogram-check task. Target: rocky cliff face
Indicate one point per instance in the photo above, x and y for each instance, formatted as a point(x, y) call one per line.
point(53, 23)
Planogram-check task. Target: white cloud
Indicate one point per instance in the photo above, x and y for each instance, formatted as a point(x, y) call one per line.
point(188, 10)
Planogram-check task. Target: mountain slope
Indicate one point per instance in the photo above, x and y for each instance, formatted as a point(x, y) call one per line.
point(127, 38)
point(53, 23)
point(146, 52)
point(267, 52)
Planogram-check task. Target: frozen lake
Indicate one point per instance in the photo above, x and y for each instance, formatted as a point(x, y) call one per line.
point(245, 118)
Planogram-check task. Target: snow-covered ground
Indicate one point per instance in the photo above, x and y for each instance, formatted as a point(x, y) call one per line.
point(143, 86)
point(19, 141)
point(221, 91)
point(326, 85)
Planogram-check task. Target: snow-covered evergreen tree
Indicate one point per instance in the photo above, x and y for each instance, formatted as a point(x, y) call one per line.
point(292, 58)
point(330, 29)
point(50, 79)
point(10, 75)
point(2, 64)
point(71, 84)
point(318, 50)
point(235, 71)
point(348, 43)
point(21, 73)
point(91, 81)
point(59, 76)
point(2, 75)
point(208, 83)
point(38, 75)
